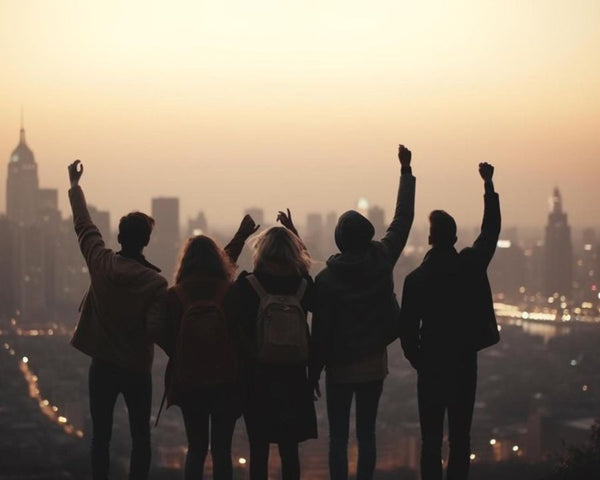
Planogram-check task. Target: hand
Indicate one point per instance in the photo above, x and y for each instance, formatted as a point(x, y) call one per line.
point(247, 226)
point(316, 390)
point(486, 171)
point(286, 220)
point(75, 172)
point(404, 155)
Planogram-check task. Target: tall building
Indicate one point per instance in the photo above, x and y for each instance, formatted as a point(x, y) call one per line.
point(198, 225)
point(164, 242)
point(377, 217)
point(314, 235)
point(22, 185)
point(558, 251)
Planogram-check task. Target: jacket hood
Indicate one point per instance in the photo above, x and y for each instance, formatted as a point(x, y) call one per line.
point(353, 232)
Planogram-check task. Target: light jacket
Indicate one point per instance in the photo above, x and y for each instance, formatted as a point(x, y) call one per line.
point(111, 325)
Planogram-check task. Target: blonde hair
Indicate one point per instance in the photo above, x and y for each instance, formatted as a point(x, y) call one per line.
point(280, 248)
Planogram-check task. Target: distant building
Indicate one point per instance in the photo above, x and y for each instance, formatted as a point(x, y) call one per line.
point(198, 225)
point(377, 217)
point(165, 240)
point(558, 253)
point(22, 185)
point(314, 235)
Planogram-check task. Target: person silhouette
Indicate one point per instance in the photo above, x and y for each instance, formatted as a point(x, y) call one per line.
point(355, 318)
point(203, 375)
point(447, 315)
point(270, 305)
point(111, 329)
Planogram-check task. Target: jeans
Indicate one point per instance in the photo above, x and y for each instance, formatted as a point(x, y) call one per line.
point(106, 381)
point(196, 417)
point(441, 392)
point(339, 400)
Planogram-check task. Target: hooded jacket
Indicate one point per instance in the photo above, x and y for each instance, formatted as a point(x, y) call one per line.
point(356, 311)
point(111, 325)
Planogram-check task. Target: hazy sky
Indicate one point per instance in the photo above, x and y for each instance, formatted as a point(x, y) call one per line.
point(301, 104)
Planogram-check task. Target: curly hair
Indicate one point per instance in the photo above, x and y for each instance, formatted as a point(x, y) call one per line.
point(200, 254)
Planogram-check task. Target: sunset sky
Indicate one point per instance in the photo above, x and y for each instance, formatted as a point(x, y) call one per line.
point(301, 104)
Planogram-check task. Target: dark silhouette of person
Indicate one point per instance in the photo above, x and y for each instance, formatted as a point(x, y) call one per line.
point(447, 315)
point(111, 329)
point(356, 316)
point(279, 407)
point(204, 274)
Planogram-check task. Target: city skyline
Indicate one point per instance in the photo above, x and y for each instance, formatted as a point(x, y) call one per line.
point(362, 203)
point(228, 104)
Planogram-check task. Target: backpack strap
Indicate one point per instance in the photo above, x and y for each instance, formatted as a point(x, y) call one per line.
point(255, 284)
point(301, 289)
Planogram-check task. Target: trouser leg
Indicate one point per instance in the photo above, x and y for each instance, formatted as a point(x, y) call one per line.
point(367, 402)
point(431, 417)
point(290, 461)
point(339, 400)
point(460, 415)
point(103, 392)
point(221, 434)
point(137, 391)
point(195, 421)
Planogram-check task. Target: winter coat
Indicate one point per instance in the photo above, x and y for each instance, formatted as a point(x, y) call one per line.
point(111, 325)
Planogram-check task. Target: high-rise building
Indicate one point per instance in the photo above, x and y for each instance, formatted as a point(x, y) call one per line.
point(558, 251)
point(314, 235)
point(377, 217)
point(22, 185)
point(164, 242)
point(198, 225)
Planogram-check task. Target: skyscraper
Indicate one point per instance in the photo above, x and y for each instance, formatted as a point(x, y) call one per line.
point(164, 242)
point(558, 251)
point(22, 185)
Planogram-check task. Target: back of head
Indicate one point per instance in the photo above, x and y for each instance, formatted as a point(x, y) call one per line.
point(134, 231)
point(353, 232)
point(279, 250)
point(442, 229)
point(202, 256)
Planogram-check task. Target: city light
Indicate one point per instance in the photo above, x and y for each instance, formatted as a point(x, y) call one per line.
point(242, 461)
point(515, 448)
point(472, 456)
point(584, 388)
point(34, 392)
point(493, 441)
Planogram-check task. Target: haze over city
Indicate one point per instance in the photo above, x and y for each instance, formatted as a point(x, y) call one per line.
point(231, 104)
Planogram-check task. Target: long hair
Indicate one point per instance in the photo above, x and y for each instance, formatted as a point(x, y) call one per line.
point(281, 249)
point(202, 255)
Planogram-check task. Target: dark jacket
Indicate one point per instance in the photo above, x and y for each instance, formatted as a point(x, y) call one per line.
point(356, 311)
point(279, 404)
point(447, 308)
point(164, 316)
point(111, 326)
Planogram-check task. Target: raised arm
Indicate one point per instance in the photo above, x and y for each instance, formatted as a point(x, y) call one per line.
point(397, 233)
point(89, 237)
point(286, 220)
point(485, 244)
point(234, 248)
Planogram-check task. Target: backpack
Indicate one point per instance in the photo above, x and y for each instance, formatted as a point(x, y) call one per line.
point(281, 329)
point(205, 353)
